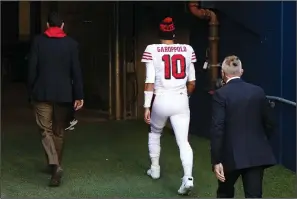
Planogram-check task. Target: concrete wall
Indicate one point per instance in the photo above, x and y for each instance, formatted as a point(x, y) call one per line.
point(88, 23)
point(263, 35)
point(287, 118)
point(24, 20)
point(45, 9)
point(9, 21)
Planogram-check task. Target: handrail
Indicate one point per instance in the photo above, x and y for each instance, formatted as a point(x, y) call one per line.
point(281, 100)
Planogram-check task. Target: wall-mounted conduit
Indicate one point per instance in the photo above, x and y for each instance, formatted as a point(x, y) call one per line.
point(213, 39)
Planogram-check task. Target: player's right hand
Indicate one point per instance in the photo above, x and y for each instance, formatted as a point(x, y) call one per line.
point(219, 171)
point(147, 115)
point(78, 104)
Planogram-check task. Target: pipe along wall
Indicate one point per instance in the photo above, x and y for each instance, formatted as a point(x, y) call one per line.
point(265, 40)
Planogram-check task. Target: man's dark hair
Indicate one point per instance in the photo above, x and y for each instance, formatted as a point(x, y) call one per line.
point(54, 20)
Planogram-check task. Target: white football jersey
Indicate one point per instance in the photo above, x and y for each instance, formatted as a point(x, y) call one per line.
point(169, 66)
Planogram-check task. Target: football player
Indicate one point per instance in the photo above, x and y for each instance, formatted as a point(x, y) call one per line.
point(170, 80)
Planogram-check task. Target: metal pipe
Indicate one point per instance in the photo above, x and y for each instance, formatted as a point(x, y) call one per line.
point(117, 65)
point(124, 80)
point(214, 49)
point(213, 38)
point(135, 111)
point(281, 100)
point(110, 68)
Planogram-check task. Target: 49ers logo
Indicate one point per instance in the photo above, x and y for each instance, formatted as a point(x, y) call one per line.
point(167, 27)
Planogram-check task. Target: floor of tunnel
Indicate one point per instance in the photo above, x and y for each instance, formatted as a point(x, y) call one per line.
point(108, 159)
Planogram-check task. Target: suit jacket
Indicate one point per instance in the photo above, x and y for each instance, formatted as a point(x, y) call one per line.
point(54, 73)
point(241, 127)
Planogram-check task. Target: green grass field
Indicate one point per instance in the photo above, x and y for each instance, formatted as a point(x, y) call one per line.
point(110, 159)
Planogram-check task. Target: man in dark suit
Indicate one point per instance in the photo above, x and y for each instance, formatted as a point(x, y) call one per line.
point(241, 127)
point(54, 83)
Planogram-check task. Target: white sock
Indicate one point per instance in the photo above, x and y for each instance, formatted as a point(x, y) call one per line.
point(188, 170)
point(155, 161)
point(154, 148)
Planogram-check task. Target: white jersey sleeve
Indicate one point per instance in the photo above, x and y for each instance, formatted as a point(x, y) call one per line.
point(147, 58)
point(193, 56)
point(147, 55)
point(150, 73)
point(192, 73)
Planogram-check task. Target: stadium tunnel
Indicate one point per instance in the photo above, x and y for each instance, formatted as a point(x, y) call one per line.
point(113, 35)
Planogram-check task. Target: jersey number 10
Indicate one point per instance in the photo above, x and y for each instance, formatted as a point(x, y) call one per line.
point(171, 66)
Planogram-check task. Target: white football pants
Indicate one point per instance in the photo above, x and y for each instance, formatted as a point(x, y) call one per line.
point(176, 107)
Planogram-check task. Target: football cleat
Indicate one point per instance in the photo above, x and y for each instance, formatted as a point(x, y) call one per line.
point(186, 186)
point(154, 172)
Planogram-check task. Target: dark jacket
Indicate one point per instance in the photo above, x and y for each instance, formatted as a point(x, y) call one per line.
point(53, 66)
point(241, 127)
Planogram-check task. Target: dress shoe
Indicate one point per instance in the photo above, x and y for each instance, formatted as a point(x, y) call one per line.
point(49, 169)
point(55, 180)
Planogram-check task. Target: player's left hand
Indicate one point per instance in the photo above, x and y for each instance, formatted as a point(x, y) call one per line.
point(147, 115)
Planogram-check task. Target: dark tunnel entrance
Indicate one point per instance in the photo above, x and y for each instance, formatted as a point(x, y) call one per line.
point(111, 39)
point(111, 50)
